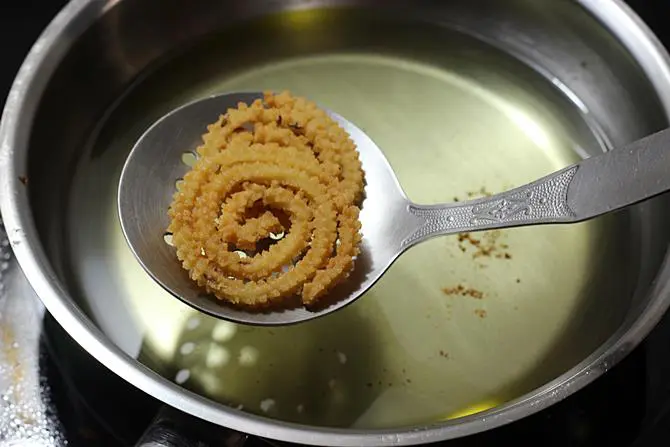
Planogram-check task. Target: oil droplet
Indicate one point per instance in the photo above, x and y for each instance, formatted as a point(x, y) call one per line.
point(248, 356)
point(217, 356)
point(187, 348)
point(182, 376)
point(267, 405)
point(192, 323)
point(342, 357)
point(223, 331)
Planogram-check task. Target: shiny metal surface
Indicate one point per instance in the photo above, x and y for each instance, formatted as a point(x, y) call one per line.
point(607, 284)
point(601, 184)
point(391, 224)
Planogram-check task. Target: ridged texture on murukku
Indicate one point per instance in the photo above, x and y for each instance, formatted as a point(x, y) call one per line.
point(277, 166)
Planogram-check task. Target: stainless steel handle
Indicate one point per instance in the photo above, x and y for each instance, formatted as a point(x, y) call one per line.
point(590, 188)
point(171, 428)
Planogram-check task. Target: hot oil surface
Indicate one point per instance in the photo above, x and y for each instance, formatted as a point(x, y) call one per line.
point(458, 324)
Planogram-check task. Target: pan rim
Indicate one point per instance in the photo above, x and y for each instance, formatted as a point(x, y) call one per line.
point(17, 118)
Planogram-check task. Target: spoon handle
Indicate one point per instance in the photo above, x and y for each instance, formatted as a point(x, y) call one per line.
point(590, 188)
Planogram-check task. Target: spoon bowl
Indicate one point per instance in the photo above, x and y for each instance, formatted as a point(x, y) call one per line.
point(147, 186)
point(391, 223)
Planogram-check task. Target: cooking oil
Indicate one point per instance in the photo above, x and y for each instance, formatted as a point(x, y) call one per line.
point(459, 324)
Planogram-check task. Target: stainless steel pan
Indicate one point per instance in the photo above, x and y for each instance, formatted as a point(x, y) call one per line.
point(464, 334)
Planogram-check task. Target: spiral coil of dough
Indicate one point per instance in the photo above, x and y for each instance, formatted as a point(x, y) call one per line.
point(270, 208)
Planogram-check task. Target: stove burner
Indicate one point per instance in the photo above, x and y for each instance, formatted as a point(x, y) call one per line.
point(25, 406)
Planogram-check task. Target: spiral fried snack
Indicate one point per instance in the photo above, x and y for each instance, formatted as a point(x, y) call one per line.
point(269, 211)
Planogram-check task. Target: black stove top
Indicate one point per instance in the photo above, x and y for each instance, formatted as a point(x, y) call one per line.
point(628, 407)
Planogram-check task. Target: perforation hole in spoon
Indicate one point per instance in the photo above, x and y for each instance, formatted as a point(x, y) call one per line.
point(189, 159)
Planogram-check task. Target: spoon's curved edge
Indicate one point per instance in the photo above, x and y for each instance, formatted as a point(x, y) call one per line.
point(211, 306)
point(367, 271)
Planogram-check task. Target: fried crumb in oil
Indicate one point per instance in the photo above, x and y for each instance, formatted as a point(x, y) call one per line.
point(23, 179)
point(518, 280)
point(478, 194)
point(484, 245)
point(444, 354)
point(463, 291)
point(481, 313)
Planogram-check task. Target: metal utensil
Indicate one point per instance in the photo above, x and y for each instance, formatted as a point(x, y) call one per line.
point(391, 224)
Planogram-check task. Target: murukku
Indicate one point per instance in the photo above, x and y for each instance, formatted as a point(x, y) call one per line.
point(270, 210)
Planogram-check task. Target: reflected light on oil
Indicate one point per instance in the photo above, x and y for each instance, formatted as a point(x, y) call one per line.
point(217, 356)
point(532, 127)
point(473, 409)
point(529, 127)
point(299, 20)
point(109, 5)
point(248, 356)
point(223, 331)
point(161, 317)
point(210, 382)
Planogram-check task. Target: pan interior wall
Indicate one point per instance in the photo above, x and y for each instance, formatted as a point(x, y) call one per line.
point(459, 324)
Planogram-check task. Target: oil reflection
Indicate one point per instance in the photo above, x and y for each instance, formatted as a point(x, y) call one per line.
point(315, 373)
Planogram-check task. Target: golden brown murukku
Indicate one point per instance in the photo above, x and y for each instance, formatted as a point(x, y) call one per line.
point(270, 208)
